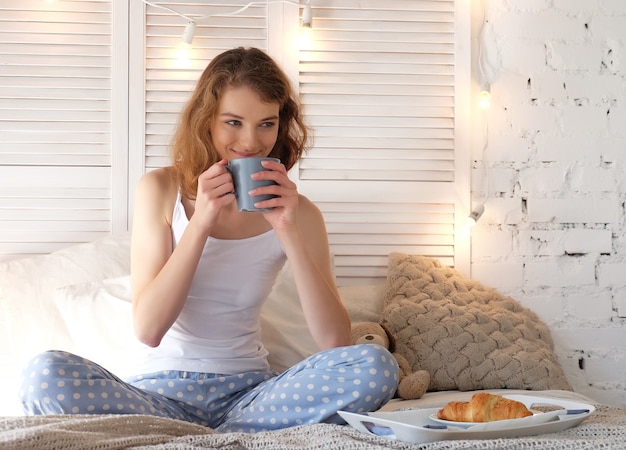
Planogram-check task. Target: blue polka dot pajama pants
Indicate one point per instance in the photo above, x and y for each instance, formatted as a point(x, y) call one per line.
point(356, 378)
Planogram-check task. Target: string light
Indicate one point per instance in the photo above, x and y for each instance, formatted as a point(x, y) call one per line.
point(307, 18)
point(184, 47)
point(306, 31)
point(484, 102)
point(476, 214)
point(167, 8)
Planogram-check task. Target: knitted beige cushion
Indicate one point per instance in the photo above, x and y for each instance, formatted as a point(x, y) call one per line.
point(466, 335)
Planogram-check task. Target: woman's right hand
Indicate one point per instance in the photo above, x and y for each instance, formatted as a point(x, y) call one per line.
point(215, 191)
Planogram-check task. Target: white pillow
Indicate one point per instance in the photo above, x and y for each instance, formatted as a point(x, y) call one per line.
point(364, 302)
point(29, 321)
point(98, 317)
point(284, 331)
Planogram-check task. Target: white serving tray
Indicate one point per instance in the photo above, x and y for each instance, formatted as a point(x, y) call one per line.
point(416, 425)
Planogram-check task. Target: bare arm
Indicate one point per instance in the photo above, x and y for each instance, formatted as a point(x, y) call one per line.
point(299, 225)
point(161, 275)
point(309, 258)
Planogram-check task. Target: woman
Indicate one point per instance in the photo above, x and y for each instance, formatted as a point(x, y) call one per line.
point(201, 270)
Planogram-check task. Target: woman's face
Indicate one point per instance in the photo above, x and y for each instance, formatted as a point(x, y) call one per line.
point(244, 125)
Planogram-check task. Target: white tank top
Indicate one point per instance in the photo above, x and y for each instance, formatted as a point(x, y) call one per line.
point(218, 330)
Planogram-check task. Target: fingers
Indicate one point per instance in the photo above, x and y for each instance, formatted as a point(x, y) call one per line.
point(277, 172)
point(285, 190)
point(216, 181)
point(273, 165)
point(214, 171)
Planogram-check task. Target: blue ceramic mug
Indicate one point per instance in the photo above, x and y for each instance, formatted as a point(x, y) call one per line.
point(241, 170)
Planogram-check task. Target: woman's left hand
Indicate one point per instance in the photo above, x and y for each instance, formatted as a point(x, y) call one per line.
point(284, 206)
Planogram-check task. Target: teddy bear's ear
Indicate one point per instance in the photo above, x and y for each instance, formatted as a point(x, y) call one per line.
point(390, 337)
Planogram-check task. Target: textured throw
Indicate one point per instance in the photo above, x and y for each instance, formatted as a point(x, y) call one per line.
point(605, 429)
point(468, 336)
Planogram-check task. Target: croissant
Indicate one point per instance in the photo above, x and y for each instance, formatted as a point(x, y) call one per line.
point(484, 407)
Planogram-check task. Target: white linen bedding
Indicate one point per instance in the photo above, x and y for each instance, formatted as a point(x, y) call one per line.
point(604, 429)
point(78, 299)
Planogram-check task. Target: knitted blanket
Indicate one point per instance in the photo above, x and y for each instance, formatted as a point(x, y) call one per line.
point(605, 429)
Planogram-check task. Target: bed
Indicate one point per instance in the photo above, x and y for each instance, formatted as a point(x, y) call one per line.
point(469, 338)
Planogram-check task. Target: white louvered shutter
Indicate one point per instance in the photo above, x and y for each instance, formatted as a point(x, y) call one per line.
point(383, 85)
point(55, 124)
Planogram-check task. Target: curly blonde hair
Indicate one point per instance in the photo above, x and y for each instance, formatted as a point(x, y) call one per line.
point(192, 149)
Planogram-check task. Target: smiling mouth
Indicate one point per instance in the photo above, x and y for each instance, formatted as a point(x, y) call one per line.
point(245, 155)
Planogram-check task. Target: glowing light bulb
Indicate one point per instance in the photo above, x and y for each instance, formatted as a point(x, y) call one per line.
point(484, 99)
point(183, 50)
point(306, 30)
point(306, 38)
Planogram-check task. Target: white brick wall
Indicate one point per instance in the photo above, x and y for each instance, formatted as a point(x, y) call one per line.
point(553, 235)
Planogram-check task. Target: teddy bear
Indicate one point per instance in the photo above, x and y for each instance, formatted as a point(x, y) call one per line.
point(412, 385)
